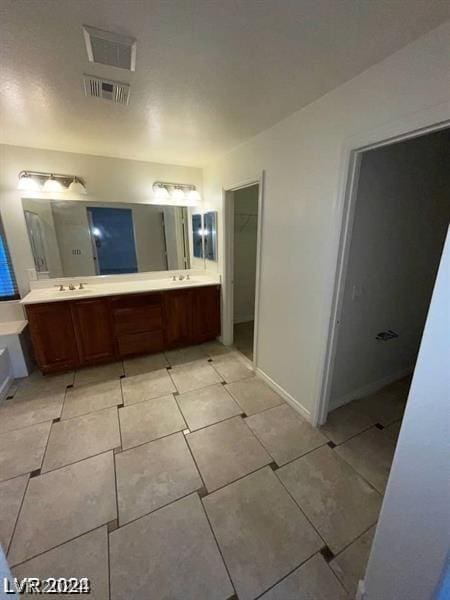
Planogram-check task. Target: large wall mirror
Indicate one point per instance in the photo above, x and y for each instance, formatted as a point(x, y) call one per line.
point(81, 238)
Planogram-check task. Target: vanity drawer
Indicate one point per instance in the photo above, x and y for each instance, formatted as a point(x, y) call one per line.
point(137, 319)
point(140, 343)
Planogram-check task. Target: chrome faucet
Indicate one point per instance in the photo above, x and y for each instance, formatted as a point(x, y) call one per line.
point(180, 276)
point(72, 287)
point(81, 286)
point(60, 286)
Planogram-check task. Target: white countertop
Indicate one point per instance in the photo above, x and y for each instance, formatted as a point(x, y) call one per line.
point(96, 290)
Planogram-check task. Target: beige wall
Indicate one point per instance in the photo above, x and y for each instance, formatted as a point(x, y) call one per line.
point(305, 159)
point(107, 180)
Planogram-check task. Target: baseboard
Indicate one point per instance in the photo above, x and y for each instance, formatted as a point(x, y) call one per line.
point(361, 591)
point(4, 387)
point(245, 319)
point(370, 388)
point(284, 394)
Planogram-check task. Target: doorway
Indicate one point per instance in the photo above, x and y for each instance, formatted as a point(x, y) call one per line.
point(243, 211)
point(113, 243)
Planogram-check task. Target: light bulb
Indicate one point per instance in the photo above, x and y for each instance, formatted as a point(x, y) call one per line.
point(177, 194)
point(27, 183)
point(52, 185)
point(76, 187)
point(161, 192)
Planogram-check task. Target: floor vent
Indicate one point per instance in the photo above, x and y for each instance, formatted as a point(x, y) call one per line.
point(107, 89)
point(108, 48)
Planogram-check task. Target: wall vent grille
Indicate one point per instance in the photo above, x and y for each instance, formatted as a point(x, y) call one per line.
point(108, 48)
point(107, 89)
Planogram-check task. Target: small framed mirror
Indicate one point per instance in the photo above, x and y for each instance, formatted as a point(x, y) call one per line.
point(210, 235)
point(197, 236)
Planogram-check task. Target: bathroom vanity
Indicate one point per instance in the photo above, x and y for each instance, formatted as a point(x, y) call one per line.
point(69, 331)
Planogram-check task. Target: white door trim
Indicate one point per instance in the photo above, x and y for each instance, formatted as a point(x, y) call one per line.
point(228, 308)
point(352, 159)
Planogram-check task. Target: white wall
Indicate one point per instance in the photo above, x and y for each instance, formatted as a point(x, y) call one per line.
point(245, 203)
point(305, 159)
point(411, 542)
point(107, 180)
point(401, 218)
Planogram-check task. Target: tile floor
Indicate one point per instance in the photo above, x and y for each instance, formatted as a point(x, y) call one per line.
point(184, 476)
point(243, 338)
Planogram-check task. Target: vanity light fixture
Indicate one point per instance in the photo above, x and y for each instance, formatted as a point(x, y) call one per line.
point(175, 194)
point(37, 181)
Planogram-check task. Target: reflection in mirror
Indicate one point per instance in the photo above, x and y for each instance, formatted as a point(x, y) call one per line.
point(81, 238)
point(197, 237)
point(210, 233)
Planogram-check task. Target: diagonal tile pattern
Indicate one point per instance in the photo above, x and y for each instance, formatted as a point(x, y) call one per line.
point(338, 502)
point(22, 450)
point(262, 533)
point(253, 395)
point(84, 399)
point(147, 421)
point(313, 580)
point(63, 504)
point(153, 475)
point(81, 437)
point(284, 433)
point(11, 495)
point(133, 516)
point(168, 554)
point(226, 451)
point(147, 386)
point(85, 556)
point(207, 406)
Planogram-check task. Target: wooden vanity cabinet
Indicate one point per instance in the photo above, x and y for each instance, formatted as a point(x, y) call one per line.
point(53, 336)
point(93, 330)
point(178, 316)
point(138, 324)
point(89, 331)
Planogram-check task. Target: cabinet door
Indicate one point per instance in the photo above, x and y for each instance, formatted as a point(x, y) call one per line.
point(178, 317)
point(206, 313)
point(53, 336)
point(93, 328)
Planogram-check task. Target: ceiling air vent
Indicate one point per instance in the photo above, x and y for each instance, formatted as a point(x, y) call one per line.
point(108, 48)
point(106, 89)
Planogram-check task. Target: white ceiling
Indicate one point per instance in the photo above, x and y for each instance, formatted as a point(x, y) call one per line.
point(209, 74)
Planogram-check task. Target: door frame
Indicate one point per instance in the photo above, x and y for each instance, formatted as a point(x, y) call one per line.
point(228, 295)
point(349, 193)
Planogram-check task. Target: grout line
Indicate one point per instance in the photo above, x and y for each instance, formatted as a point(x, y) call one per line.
point(347, 439)
point(108, 551)
point(301, 510)
point(7, 549)
point(290, 573)
point(355, 540)
point(236, 480)
point(115, 489)
point(44, 454)
point(151, 512)
point(75, 462)
point(218, 545)
point(58, 545)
